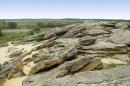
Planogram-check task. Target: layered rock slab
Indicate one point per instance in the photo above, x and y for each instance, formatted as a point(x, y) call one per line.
point(119, 76)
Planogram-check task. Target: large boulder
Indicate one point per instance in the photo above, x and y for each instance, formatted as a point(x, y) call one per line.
point(100, 23)
point(66, 68)
point(63, 50)
point(68, 35)
point(16, 53)
point(93, 31)
point(112, 77)
point(123, 25)
point(122, 57)
point(101, 47)
point(85, 41)
point(120, 36)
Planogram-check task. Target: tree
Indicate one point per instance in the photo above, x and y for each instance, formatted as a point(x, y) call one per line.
point(11, 25)
point(2, 24)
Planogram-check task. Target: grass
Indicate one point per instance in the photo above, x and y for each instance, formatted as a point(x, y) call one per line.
point(13, 34)
point(29, 23)
point(2, 39)
point(26, 25)
point(17, 34)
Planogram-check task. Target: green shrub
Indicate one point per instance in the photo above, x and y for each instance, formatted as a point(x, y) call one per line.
point(40, 24)
point(40, 38)
point(107, 66)
point(30, 32)
point(2, 25)
point(11, 25)
point(1, 33)
point(36, 29)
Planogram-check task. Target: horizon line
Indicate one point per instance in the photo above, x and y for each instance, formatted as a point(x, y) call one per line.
point(68, 18)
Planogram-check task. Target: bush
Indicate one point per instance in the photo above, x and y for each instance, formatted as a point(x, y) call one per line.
point(36, 29)
point(39, 38)
point(1, 33)
point(2, 25)
point(30, 32)
point(40, 24)
point(11, 25)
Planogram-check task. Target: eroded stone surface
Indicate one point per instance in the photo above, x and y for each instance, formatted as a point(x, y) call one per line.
point(66, 51)
point(111, 77)
point(120, 36)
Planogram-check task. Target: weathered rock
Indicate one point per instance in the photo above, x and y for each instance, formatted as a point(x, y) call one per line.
point(79, 29)
point(104, 37)
point(101, 47)
point(112, 61)
point(107, 24)
point(32, 67)
point(49, 35)
point(68, 35)
point(60, 32)
point(94, 63)
point(59, 56)
point(79, 35)
point(6, 70)
point(62, 70)
point(120, 36)
point(0, 67)
point(96, 31)
point(72, 66)
point(16, 53)
point(63, 30)
point(123, 25)
point(122, 57)
point(47, 43)
point(100, 23)
point(111, 77)
point(85, 41)
point(67, 41)
point(67, 51)
point(3, 45)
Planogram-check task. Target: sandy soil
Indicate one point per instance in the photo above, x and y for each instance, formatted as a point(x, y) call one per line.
point(4, 56)
point(5, 51)
point(14, 81)
point(112, 61)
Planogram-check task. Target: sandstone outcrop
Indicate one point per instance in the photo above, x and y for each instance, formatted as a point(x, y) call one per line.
point(74, 55)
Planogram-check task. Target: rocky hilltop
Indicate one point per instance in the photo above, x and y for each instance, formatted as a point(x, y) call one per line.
point(94, 53)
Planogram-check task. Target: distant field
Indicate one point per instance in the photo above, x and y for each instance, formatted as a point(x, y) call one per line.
point(16, 34)
point(29, 23)
point(26, 25)
point(13, 34)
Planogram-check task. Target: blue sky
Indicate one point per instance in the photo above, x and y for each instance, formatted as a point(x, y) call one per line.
point(103, 9)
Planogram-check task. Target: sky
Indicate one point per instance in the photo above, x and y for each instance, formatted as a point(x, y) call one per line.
point(88, 9)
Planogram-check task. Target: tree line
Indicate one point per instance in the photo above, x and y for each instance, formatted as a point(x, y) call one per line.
point(7, 25)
